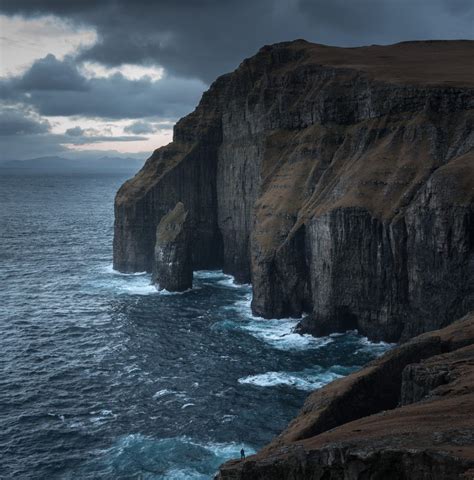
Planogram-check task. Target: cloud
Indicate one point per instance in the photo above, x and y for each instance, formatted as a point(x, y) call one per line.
point(151, 61)
point(14, 122)
point(89, 139)
point(389, 21)
point(25, 40)
point(25, 135)
point(209, 37)
point(57, 88)
point(49, 73)
point(75, 132)
point(140, 128)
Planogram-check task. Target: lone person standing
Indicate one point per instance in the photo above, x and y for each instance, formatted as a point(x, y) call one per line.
point(242, 454)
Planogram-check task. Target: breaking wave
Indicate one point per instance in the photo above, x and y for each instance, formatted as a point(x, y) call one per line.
point(309, 379)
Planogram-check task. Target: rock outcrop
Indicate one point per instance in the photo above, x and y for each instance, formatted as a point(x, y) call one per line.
point(408, 415)
point(338, 181)
point(173, 269)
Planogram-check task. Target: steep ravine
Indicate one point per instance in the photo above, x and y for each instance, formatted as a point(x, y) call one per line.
point(338, 181)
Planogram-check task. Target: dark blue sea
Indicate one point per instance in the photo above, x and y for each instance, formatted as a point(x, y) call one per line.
point(102, 377)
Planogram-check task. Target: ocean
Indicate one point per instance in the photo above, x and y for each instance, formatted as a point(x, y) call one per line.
point(103, 377)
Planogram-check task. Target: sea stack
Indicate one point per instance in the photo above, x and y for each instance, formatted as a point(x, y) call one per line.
point(338, 181)
point(172, 269)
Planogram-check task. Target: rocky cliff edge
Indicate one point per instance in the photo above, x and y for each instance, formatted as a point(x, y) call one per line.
point(339, 181)
point(409, 415)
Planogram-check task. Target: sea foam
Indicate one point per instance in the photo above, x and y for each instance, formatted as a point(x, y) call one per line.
point(307, 380)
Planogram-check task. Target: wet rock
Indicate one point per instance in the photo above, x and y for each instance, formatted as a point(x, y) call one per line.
point(173, 269)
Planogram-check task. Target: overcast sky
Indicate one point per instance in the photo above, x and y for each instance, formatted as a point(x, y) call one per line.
point(80, 76)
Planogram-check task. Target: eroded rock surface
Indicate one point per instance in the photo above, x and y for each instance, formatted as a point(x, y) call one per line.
point(173, 269)
point(409, 415)
point(338, 181)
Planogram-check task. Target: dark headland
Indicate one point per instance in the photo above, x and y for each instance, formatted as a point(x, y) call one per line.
point(340, 182)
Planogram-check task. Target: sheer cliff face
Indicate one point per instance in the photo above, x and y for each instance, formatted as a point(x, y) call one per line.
point(338, 181)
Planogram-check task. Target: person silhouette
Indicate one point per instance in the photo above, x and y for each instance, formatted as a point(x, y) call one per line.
point(242, 454)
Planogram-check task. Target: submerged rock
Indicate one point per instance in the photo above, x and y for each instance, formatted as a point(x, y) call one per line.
point(172, 269)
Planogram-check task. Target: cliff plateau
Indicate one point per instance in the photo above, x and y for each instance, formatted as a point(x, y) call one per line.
point(339, 182)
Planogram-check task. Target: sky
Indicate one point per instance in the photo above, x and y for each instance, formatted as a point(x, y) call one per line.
point(81, 78)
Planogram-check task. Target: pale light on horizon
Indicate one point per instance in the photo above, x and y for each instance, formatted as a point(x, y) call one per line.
point(131, 72)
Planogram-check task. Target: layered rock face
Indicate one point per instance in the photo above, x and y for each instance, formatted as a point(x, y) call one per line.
point(407, 416)
point(173, 269)
point(338, 181)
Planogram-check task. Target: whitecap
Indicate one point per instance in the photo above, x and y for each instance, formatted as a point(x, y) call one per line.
point(176, 458)
point(307, 380)
point(110, 269)
point(102, 416)
point(376, 348)
point(166, 292)
point(229, 281)
point(220, 278)
point(208, 274)
point(280, 334)
point(162, 393)
point(138, 288)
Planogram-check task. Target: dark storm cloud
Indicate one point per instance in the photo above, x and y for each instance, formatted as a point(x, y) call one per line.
point(50, 74)
point(206, 38)
point(45, 87)
point(15, 122)
point(194, 41)
point(389, 21)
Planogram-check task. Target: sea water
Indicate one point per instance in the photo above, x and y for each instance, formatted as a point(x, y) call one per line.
point(103, 377)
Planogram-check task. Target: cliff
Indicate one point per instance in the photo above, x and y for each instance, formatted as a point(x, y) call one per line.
point(172, 269)
point(340, 182)
point(408, 415)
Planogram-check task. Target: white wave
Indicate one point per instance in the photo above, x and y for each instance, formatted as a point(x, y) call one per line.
point(102, 416)
point(243, 307)
point(166, 292)
point(308, 380)
point(131, 284)
point(209, 274)
point(229, 281)
point(280, 334)
point(220, 278)
point(162, 393)
point(184, 474)
point(109, 280)
point(145, 288)
point(178, 458)
point(377, 348)
point(110, 269)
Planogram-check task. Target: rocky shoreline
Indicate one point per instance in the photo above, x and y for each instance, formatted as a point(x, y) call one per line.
point(340, 183)
point(407, 415)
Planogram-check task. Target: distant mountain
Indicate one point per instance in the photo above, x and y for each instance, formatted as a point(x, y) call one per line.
point(66, 165)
